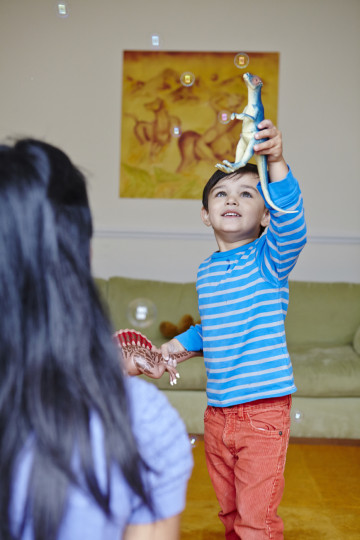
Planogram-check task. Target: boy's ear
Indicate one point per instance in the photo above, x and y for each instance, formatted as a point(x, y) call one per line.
point(266, 218)
point(205, 217)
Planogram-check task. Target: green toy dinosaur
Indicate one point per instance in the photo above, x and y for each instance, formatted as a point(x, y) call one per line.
point(252, 115)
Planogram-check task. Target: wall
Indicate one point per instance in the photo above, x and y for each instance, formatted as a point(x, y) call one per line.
point(61, 81)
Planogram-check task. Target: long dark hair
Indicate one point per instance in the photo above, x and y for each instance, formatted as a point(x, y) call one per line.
point(57, 361)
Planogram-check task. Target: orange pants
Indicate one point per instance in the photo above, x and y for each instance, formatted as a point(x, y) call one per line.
point(245, 447)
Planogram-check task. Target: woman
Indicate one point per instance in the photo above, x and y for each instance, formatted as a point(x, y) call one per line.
point(84, 452)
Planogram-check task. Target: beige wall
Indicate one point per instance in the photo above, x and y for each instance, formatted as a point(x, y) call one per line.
point(61, 81)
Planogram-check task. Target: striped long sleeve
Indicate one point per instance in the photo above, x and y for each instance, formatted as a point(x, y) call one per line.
point(243, 297)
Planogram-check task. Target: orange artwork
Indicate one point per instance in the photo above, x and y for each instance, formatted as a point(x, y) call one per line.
point(176, 109)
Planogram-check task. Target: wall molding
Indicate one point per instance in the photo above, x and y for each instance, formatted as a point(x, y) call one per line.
point(201, 236)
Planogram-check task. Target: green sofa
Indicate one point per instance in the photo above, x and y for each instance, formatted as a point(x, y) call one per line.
point(323, 335)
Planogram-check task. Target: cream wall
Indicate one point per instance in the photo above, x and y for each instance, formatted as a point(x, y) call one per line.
point(61, 81)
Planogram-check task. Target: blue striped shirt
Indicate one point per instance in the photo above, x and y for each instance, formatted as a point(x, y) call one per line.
point(243, 297)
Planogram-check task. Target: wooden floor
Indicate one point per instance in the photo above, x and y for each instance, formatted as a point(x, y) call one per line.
point(321, 499)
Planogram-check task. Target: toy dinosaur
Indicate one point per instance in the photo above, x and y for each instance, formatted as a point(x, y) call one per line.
point(139, 356)
point(252, 115)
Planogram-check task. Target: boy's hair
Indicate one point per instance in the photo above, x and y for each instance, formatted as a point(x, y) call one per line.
point(218, 175)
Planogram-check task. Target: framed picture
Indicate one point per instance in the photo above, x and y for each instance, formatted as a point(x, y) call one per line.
point(176, 124)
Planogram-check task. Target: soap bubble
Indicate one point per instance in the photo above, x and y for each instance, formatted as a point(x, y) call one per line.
point(241, 60)
point(141, 312)
point(175, 127)
point(62, 9)
point(298, 416)
point(187, 78)
point(224, 117)
point(155, 41)
point(176, 131)
point(193, 441)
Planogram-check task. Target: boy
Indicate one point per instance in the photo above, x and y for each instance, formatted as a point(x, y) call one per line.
point(243, 297)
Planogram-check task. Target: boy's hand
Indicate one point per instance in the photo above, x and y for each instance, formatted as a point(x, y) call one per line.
point(272, 148)
point(155, 367)
point(139, 356)
point(173, 353)
point(149, 363)
point(171, 347)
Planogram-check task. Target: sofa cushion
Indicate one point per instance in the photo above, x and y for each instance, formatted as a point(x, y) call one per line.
point(318, 372)
point(321, 323)
point(356, 341)
point(319, 314)
point(327, 372)
point(322, 314)
point(325, 418)
point(171, 300)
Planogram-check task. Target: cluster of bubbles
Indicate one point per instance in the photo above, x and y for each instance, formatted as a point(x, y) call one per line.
point(241, 61)
point(187, 78)
point(141, 312)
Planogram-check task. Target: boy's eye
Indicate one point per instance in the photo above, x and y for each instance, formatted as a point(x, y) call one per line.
point(220, 194)
point(246, 194)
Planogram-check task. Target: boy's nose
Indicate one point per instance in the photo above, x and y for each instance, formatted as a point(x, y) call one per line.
point(232, 201)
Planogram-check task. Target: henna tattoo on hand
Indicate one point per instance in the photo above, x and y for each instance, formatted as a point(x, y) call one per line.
point(139, 357)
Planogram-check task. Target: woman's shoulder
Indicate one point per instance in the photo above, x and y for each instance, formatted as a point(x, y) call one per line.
point(157, 425)
point(150, 409)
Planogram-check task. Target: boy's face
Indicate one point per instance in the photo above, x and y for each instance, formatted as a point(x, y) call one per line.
point(236, 210)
